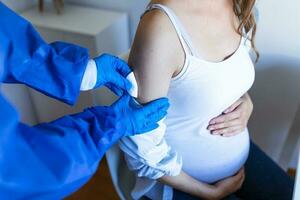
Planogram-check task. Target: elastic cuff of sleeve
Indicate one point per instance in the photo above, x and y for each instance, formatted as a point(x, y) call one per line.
point(90, 76)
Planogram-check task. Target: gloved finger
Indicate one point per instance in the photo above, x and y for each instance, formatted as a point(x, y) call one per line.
point(121, 66)
point(148, 128)
point(115, 89)
point(98, 110)
point(156, 117)
point(121, 82)
point(122, 101)
point(155, 106)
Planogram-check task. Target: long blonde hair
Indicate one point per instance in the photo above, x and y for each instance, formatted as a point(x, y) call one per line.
point(244, 10)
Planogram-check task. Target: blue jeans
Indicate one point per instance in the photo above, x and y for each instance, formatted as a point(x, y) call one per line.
point(264, 180)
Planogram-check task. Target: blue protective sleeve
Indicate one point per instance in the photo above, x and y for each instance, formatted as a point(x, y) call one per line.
point(51, 160)
point(54, 69)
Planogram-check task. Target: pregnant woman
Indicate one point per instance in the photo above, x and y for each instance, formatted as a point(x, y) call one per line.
point(197, 54)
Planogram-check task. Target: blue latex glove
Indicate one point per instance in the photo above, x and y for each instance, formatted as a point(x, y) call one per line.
point(127, 116)
point(112, 72)
point(53, 160)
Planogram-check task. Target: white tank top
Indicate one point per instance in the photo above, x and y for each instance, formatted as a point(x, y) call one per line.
point(200, 92)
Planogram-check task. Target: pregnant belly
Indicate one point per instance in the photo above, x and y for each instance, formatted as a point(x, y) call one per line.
point(210, 158)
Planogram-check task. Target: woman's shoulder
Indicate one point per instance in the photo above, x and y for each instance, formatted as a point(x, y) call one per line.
point(157, 38)
point(156, 26)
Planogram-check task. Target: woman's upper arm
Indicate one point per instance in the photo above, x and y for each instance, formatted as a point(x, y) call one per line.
point(148, 154)
point(151, 57)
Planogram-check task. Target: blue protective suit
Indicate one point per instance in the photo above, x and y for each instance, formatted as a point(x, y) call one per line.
point(57, 68)
point(50, 160)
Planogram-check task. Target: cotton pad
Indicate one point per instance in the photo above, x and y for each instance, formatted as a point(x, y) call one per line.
point(134, 89)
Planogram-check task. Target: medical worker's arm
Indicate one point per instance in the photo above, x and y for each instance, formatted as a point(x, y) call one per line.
point(52, 160)
point(55, 69)
point(58, 69)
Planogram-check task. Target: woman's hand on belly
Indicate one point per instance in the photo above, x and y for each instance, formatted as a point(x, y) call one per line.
point(234, 119)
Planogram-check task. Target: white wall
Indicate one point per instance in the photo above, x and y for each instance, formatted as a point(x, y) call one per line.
point(275, 100)
point(276, 92)
point(18, 96)
point(18, 5)
point(279, 27)
point(134, 8)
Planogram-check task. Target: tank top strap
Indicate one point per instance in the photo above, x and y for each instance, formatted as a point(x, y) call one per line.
point(185, 43)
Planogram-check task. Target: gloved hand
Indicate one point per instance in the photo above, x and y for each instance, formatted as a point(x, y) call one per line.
point(129, 118)
point(112, 72)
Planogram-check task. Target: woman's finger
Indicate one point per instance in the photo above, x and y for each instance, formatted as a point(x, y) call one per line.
point(236, 132)
point(242, 171)
point(228, 130)
point(225, 124)
point(233, 106)
point(226, 117)
point(239, 175)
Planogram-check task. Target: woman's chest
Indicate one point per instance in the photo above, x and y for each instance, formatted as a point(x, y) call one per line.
point(206, 88)
point(213, 37)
